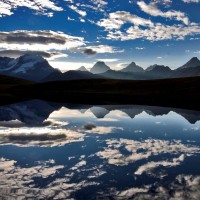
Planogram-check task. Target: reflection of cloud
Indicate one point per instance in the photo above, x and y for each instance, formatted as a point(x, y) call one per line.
point(103, 130)
point(89, 126)
point(20, 183)
point(19, 124)
point(141, 150)
point(80, 164)
point(152, 165)
point(126, 194)
point(184, 187)
point(108, 120)
point(46, 137)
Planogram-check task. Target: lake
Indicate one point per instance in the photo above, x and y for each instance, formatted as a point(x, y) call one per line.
point(66, 151)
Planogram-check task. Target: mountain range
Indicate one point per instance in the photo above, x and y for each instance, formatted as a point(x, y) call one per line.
point(36, 68)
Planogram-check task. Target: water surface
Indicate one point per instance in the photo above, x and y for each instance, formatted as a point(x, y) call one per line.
point(57, 151)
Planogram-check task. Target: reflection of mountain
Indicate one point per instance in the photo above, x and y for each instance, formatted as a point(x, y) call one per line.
point(191, 115)
point(99, 112)
point(30, 112)
point(35, 112)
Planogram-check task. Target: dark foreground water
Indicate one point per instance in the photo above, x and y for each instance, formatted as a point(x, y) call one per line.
point(53, 151)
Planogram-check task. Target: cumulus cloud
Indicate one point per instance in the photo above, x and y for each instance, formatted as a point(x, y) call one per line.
point(80, 12)
point(156, 33)
point(119, 18)
point(152, 9)
point(100, 3)
point(191, 1)
point(38, 40)
point(144, 28)
point(42, 7)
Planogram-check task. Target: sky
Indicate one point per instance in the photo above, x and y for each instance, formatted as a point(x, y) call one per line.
point(75, 33)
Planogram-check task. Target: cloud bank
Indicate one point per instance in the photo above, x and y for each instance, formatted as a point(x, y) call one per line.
point(41, 7)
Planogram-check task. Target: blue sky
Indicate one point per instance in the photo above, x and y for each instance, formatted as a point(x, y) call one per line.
point(72, 33)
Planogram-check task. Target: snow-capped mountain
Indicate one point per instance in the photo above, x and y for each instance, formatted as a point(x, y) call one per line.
point(29, 66)
point(4, 61)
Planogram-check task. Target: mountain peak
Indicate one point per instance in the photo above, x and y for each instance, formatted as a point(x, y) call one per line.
point(132, 63)
point(99, 67)
point(28, 66)
point(31, 57)
point(156, 67)
point(82, 68)
point(132, 67)
point(193, 62)
point(194, 58)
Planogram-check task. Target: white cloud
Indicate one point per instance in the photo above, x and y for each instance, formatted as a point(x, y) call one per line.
point(40, 6)
point(119, 18)
point(80, 12)
point(197, 52)
point(82, 20)
point(109, 60)
point(144, 28)
point(191, 1)
point(65, 66)
point(152, 9)
point(70, 19)
point(100, 3)
point(156, 32)
point(140, 48)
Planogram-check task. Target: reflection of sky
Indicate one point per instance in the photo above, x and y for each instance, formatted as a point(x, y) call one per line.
point(74, 154)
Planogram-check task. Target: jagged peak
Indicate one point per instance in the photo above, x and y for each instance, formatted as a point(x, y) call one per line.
point(100, 62)
point(33, 56)
point(194, 59)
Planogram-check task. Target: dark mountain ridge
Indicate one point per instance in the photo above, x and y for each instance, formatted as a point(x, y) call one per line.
point(36, 68)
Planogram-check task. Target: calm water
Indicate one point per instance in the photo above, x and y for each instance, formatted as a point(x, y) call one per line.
point(53, 151)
